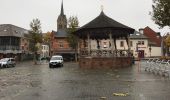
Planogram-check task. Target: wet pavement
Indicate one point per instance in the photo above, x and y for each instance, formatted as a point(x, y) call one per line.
point(38, 82)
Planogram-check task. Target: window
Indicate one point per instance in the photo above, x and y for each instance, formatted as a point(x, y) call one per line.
point(85, 44)
point(61, 44)
point(141, 42)
point(104, 45)
point(121, 44)
point(22, 47)
point(131, 43)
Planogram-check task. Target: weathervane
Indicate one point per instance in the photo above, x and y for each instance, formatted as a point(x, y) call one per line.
point(102, 7)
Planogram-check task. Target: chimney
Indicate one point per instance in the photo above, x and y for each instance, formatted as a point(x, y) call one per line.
point(158, 33)
point(141, 30)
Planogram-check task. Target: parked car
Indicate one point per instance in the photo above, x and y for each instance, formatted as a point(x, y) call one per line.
point(7, 62)
point(56, 61)
point(45, 58)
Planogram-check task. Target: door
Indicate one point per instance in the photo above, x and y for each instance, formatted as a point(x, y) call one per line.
point(141, 53)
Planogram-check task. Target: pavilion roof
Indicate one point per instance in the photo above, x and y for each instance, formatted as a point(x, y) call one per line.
point(104, 24)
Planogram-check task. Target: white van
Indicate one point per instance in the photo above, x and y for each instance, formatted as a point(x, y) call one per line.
point(56, 61)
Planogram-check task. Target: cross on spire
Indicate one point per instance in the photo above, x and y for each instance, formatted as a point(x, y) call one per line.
point(62, 10)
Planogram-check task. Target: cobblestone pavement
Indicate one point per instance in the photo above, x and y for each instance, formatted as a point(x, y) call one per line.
point(38, 82)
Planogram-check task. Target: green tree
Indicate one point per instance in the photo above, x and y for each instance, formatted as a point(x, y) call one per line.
point(167, 43)
point(72, 39)
point(161, 12)
point(47, 37)
point(35, 36)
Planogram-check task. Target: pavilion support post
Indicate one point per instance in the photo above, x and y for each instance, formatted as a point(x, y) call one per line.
point(115, 46)
point(111, 42)
point(88, 39)
point(84, 43)
point(128, 43)
point(129, 46)
point(78, 46)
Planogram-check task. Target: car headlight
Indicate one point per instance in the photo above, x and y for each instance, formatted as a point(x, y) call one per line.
point(4, 63)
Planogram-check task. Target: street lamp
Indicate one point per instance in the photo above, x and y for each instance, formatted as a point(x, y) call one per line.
point(137, 49)
point(150, 49)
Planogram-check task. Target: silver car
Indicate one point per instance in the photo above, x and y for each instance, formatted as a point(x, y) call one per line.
point(7, 62)
point(55, 61)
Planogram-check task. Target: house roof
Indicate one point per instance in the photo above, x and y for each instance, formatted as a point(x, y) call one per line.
point(153, 36)
point(138, 35)
point(104, 24)
point(60, 33)
point(103, 21)
point(12, 30)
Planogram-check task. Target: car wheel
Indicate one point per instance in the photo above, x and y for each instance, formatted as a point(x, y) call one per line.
point(50, 66)
point(5, 66)
point(61, 65)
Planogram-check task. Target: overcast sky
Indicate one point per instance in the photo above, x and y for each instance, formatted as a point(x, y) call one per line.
point(133, 13)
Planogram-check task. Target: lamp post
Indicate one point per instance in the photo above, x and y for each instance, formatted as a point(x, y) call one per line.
point(137, 50)
point(150, 49)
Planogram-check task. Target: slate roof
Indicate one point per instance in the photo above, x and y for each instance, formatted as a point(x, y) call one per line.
point(103, 21)
point(138, 35)
point(104, 24)
point(12, 30)
point(60, 33)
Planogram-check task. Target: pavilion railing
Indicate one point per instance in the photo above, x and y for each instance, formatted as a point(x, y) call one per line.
point(105, 53)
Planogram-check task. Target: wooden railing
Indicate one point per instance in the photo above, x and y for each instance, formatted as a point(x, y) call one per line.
point(105, 53)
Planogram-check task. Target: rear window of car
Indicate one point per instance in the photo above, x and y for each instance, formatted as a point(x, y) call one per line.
point(4, 59)
point(56, 58)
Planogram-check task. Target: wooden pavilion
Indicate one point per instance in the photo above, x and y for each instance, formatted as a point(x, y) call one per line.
point(103, 27)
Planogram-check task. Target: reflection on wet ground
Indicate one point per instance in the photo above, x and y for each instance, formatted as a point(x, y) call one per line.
point(38, 82)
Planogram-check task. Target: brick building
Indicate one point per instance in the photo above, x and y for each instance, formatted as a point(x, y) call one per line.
point(59, 44)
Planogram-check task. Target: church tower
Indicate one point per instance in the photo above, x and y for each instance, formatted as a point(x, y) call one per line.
point(62, 20)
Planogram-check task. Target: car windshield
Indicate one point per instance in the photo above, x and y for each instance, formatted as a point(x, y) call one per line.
point(4, 59)
point(56, 58)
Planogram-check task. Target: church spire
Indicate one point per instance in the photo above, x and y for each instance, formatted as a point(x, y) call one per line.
point(62, 20)
point(62, 10)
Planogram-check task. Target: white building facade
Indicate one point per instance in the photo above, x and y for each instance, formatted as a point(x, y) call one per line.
point(139, 46)
point(45, 51)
